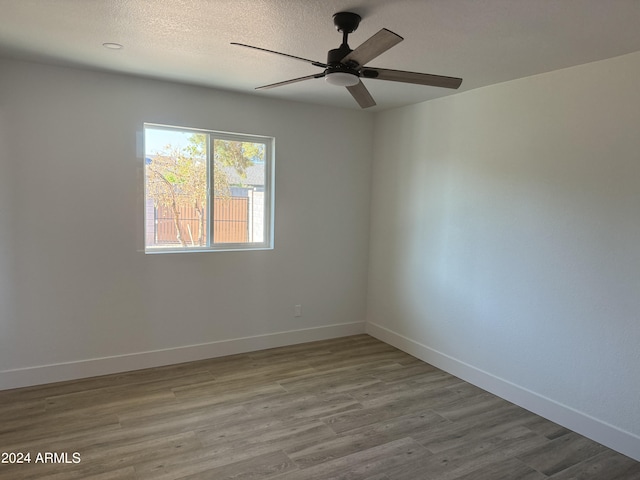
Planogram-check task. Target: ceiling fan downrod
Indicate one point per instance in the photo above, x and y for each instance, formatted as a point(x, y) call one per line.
point(346, 23)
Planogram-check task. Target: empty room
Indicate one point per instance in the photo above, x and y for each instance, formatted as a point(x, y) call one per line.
point(298, 240)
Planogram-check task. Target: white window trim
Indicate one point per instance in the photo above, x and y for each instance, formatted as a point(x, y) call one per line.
point(269, 196)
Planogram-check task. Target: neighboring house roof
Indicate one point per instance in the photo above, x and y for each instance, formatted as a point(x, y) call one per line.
point(254, 175)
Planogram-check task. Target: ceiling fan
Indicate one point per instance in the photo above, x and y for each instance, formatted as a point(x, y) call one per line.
point(345, 67)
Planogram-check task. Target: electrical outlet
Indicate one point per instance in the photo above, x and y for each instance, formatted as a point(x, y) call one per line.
point(297, 311)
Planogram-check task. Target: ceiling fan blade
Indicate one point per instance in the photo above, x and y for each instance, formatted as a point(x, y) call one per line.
point(361, 95)
point(312, 62)
point(287, 82)
point(412, 77)
point(371, 48)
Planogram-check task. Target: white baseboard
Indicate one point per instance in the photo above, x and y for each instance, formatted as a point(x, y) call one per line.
point(23, 377)
point(611, 436)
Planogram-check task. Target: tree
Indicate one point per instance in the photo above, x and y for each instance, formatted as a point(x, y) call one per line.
point(178, 177)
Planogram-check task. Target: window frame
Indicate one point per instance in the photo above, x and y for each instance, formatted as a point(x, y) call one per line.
point(269, 197)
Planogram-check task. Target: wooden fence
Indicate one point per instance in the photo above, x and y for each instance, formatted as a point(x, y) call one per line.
point(230, 224)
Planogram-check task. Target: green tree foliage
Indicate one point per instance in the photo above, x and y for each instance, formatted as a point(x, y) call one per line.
point(177, 177)
point(239, 155)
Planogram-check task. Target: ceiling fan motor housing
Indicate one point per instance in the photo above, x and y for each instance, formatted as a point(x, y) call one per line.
point(335, 65)
point(335, 56)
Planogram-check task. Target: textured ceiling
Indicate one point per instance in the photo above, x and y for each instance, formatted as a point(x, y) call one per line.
point(482, 41)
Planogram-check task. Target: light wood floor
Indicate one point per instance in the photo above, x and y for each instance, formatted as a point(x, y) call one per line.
point(351, 408)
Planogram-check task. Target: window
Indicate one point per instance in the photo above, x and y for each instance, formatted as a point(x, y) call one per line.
point(206, 190)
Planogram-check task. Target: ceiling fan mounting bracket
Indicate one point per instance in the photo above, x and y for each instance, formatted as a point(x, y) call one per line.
point(346, 22)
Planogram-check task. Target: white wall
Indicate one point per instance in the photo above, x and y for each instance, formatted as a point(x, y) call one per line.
point(7, 272)
point(505, 242)
point(79, 298)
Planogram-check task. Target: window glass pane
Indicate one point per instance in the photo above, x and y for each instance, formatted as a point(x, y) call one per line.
point(239, 172)
point(175, 189)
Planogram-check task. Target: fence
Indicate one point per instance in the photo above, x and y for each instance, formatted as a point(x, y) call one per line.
point(230, 224)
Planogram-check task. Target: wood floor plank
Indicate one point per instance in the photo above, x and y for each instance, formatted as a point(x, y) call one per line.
point(125, 400)
point(363, 438)
point(561, 453)
point(385, 407)
point(279, 435)
point(136, 377)
point(21, 409)
point(66, 472)
point(260, 467)
point(469, 406)
point(441, 437)
point(457, 462)
point(131, 452)
point(607, 465)
point(38, 429)
point(546, 427)
point(296, 405)
point(181, 465)
point(114, 395)
point(228, 391)
point(364, 359)
point(364, 417)
point(265, 372)
point(381, 392)
point(509, 469)
point(347, 408)
point(181, 419)
point(328, 382)
point(364, 464)
point(402, 373)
